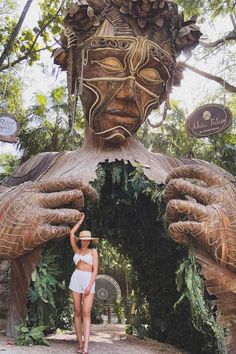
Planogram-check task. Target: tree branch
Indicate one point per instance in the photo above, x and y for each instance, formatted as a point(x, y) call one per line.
point(19, 60)
point(15, 32)
point(44, 27)
point(230, 36)
point(232, 18)
point(25, 56)
point(215, 78)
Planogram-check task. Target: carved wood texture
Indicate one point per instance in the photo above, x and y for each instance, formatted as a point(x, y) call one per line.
point(202, 207)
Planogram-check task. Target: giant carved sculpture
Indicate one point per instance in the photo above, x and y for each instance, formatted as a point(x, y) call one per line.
point(213, 216)
point(121, 58)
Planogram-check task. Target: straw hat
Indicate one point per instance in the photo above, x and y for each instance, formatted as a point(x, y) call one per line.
point(86, 235)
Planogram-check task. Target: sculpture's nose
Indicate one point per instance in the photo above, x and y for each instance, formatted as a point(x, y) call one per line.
point(127, 91)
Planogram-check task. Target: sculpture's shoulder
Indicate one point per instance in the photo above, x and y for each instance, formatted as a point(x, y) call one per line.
point(32, 168)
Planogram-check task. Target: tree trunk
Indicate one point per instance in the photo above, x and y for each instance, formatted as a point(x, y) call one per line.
point(15, 32)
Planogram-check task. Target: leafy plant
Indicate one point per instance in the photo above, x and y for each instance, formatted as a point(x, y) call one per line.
point(213, 8)
point(8, 163)
point(136, 327)
point(172, 139)
point(190, 283)
point(46, 126)
point(48, 296)
point(31, 335)
point(118, 308)
point(44, 278)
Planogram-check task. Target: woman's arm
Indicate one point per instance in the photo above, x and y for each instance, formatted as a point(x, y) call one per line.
point(72, 233)
point(95, 271)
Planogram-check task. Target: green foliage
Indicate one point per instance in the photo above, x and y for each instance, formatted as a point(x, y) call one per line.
point(101, 178)
point(136, 327)
point(6, 6)
point(44, 278)
point(46, 128)
point(139, 181)
point(10, 94)
point(127, 218)
point(58, 95)
point(213, 8)
point(30, 41)
point(49, 9)
point(111, 258)
point(31, 335)
point(118, 308)
point(172, 139)
point(138, 314)
point(222, 151)
point(148, 187)
point(49, 300)
point(190, 284)
point(42, 101)
point(8, 164)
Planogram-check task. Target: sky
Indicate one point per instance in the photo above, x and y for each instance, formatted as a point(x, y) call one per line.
point(190, 94)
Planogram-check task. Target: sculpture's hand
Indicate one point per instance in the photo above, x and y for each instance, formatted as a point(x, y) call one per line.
point(35, 212)
point(210, 218)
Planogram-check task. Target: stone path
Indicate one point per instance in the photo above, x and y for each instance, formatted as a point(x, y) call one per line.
point(105, 339)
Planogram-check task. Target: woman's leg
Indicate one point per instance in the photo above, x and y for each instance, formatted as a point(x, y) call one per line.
point(77, 317)
point(87, 307)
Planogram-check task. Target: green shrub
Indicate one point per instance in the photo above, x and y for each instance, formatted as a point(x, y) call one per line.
point(31, 335)
point(118, 308)
point(136, 327)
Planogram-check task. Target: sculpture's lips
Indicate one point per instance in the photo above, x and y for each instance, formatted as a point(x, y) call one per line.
point(117, 112)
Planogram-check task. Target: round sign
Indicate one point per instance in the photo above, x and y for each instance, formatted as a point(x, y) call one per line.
point(8, 128)
point(208, 120)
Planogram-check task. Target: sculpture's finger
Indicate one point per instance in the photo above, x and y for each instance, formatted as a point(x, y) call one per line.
point(177, 187)
point(182, 231)
point(58, 216)
point(177, 209)
point(47, 232)
point(198, 172)
point(62, 184)
point(59, 199)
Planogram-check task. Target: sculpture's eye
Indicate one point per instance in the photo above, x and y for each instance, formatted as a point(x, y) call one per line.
point(112, 65)
point(151, 75)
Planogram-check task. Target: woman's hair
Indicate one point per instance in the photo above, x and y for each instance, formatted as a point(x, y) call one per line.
point(91, 244)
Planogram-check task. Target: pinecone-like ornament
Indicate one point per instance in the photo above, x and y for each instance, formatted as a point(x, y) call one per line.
point(187, 36)
point(144, 10)
point(81, 15)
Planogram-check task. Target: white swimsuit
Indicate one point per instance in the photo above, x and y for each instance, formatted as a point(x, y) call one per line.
point(80, 278)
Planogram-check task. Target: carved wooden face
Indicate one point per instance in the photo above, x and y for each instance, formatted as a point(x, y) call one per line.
point(123, 80)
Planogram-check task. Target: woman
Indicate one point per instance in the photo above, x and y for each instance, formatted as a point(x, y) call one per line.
point(82, 283)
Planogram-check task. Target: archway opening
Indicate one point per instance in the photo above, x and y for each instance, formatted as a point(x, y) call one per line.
point(130, 216)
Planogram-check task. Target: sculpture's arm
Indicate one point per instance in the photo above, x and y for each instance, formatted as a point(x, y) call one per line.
point(35, 212)
point(202, 205)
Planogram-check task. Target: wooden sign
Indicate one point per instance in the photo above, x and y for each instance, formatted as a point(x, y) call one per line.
point(208, 120)
point(8, 128)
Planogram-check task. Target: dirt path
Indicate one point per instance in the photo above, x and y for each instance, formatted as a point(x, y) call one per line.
point(105, 339)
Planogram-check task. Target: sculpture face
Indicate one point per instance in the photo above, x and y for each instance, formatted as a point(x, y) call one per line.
point(124, 54)
point(123, 80)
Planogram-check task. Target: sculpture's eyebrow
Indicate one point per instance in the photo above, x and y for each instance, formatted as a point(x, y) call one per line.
point(108, 43)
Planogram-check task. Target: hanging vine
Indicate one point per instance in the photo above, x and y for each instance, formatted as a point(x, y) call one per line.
point(190, 284)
